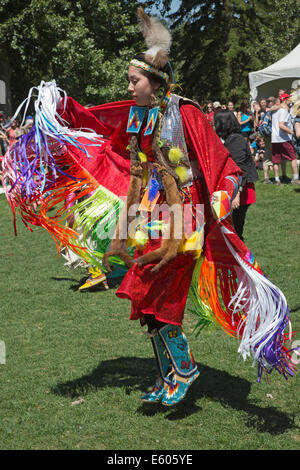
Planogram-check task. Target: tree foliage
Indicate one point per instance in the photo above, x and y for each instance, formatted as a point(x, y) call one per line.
point(217, 43)
point(84, 44)
point(284, 34)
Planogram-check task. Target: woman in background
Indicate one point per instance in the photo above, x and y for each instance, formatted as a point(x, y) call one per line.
point(245, 119)
point(229, 130)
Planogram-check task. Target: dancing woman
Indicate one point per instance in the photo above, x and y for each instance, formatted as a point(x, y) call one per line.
point(179, 179)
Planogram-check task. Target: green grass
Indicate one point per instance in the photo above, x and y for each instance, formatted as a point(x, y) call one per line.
point(64, 345)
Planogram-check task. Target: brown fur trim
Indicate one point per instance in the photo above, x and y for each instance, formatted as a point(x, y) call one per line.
point(161, 59)
point(169, 247)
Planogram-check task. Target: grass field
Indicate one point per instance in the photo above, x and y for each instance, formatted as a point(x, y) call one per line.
point(76, 367)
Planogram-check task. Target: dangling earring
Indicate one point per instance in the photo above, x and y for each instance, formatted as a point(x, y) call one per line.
point(153, 100)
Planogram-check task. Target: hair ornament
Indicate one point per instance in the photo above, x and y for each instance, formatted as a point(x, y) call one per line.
point(157, 38)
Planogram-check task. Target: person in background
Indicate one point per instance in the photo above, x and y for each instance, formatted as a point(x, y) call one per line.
point(230, 106)
point(209, 112)
point(295, 111)
point(262, 159)
point(282, 147)
point(228, 129)
point(270, 102)
point(245, 119)
point(256, 113)
point(262, 111)
point(13, 133)
point(28, 125)
point(253, 143)
point(217, 106)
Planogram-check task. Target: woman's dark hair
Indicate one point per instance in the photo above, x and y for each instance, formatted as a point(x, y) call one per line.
point(244, 106)
point(226, 123)
point(151, 76)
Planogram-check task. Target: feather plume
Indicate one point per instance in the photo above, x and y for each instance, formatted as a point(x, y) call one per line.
point(158, 39)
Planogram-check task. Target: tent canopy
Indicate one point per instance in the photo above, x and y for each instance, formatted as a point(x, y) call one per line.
point(281, 74)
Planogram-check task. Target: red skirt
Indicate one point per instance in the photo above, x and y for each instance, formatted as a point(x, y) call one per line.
point(162, 294)
point(248, 194)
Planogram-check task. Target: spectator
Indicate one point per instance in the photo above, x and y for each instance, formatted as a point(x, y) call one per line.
point(281, 91)
point(13, 133)
point(262, 159)
point(256, 114)
point(230, 106)
point(270, 102)
point(259, 152)
point(265, 130)
point(28, 125)
point(253, 143)
point(217, 106)
point(209, 112)
point(282, 147)
point(296, 122)
point(262, 111)
point(245, 119)
point(228, 129)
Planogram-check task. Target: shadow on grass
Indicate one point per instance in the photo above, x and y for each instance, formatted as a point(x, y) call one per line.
point(295, 309)
point(136, 374)
point(112, 284)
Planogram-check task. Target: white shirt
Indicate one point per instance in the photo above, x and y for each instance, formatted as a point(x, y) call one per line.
point(278, 135)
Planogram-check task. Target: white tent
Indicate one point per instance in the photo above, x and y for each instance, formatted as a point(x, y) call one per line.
point(281, 74)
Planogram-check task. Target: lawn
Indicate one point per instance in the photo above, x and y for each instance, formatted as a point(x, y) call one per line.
point(76, 367)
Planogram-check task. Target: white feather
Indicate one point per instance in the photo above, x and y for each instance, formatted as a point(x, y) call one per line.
point(157, 37)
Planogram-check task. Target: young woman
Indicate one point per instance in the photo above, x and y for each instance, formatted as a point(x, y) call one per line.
point(228, 129)
point(245, 119)
point(179, 182)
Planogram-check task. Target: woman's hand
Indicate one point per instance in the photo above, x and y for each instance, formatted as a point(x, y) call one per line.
point(236, 201)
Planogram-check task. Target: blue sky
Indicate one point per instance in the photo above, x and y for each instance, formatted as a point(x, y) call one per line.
point(174, 6)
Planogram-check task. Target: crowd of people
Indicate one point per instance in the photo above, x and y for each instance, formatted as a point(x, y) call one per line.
point(270, 131)
point(271, 141)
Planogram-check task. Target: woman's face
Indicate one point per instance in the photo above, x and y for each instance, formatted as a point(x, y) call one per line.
point(140, 87)
point(230, 106)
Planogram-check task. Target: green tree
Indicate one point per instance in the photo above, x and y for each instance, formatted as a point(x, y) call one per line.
point(85, 45)
point(217, 43)
point(284, 35)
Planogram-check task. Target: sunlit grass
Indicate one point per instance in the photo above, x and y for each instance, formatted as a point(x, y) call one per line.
point(76, 366)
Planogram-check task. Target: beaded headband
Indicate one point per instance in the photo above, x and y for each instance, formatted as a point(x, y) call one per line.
point(149, 68)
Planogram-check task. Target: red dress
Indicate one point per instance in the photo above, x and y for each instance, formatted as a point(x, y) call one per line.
point(164, 294)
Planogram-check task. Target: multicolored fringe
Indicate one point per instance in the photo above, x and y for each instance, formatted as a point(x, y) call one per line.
point(202, 310)
point(94, 218)
point(40, 175)
point(247, 306)
point(267, 316)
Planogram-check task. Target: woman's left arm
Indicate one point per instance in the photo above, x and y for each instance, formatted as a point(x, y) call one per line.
point(297, 129)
